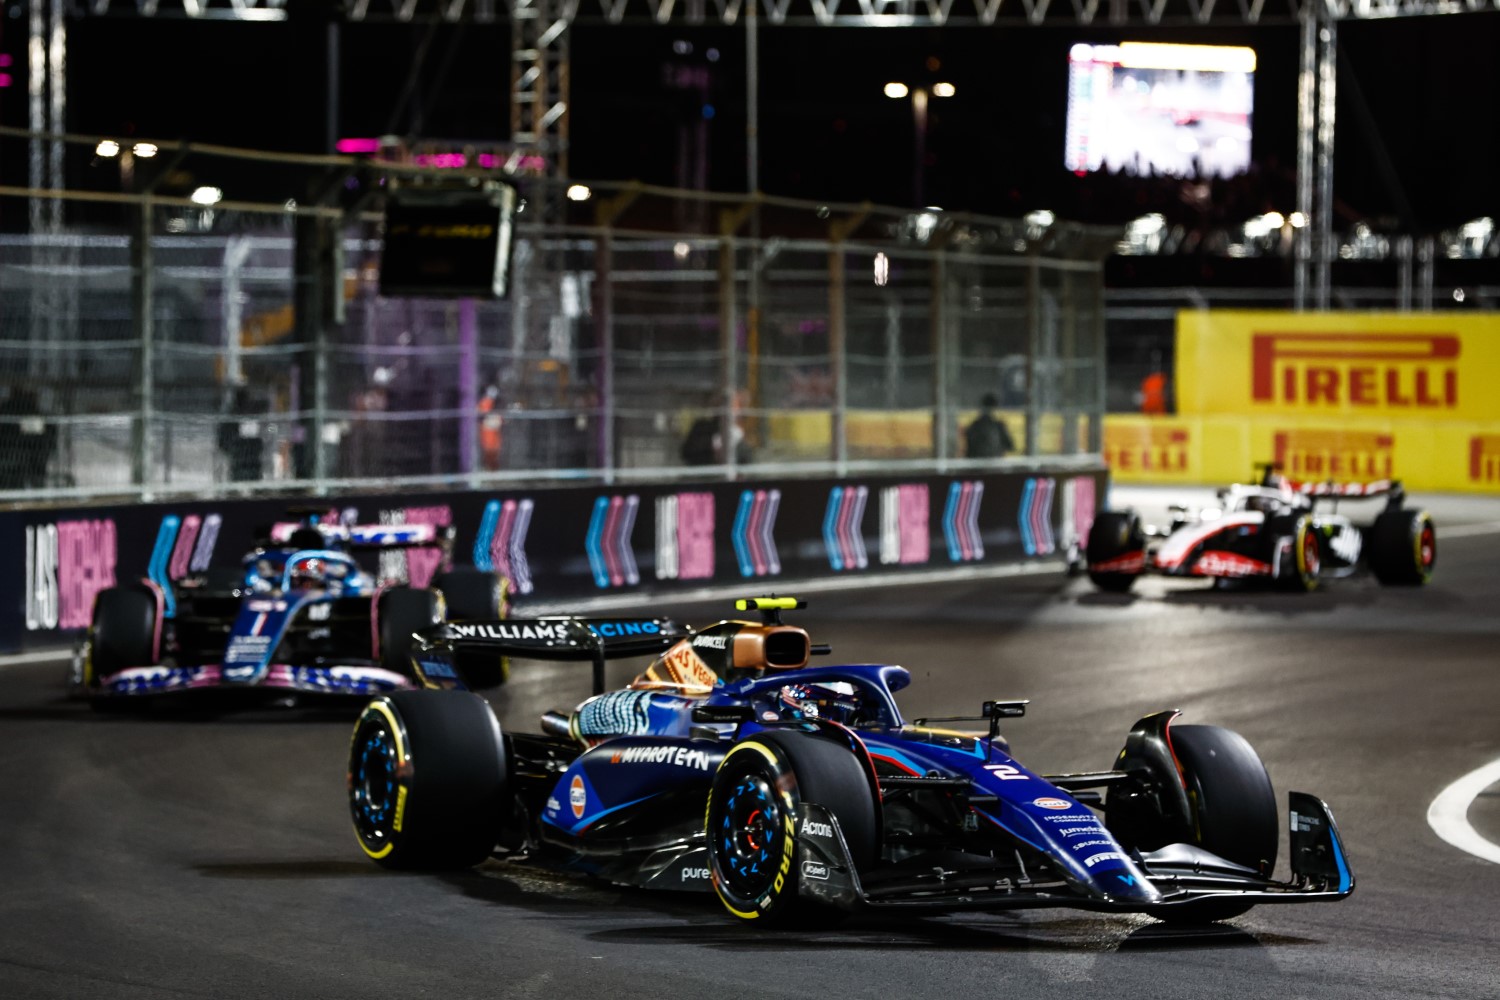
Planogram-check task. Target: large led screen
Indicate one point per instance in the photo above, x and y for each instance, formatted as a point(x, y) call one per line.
point(1160, 110)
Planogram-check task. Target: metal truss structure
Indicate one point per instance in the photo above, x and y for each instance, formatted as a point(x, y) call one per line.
point(539, 60)
point(833, 13)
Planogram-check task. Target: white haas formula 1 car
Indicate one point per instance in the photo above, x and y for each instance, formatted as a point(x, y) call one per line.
point(1281, 531)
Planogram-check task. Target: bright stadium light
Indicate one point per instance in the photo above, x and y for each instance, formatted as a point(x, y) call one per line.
point(943, 90)
point(206, 196)
point(579, 192)
point(896, 90)
point(108, 147)
point(145, 150)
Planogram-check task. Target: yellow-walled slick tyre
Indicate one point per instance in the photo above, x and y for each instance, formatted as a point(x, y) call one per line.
point(1403, 548)
point(427, 780)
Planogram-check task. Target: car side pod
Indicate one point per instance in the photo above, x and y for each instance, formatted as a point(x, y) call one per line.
point(1319, 860)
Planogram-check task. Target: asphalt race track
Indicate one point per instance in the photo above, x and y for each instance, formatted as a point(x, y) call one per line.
point(211, 856)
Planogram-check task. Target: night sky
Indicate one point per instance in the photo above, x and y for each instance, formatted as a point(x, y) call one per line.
point(1421, 94)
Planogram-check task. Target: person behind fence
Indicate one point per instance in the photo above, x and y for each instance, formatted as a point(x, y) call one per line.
point(27, 441)
point(987, 436)
point(706, 443)
point(239, 438)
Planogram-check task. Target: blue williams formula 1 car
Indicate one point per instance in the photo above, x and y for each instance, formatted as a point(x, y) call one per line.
point(299, 616)
point(788, 790)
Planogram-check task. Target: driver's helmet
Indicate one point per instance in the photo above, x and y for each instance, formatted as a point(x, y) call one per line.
point(307, 537)
point(834, 701)
point(312, 572)
point(1264, 504)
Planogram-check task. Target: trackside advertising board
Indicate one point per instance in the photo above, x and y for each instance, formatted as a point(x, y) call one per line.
point(1392, 366)
point(555, 544)
point(1335, 396)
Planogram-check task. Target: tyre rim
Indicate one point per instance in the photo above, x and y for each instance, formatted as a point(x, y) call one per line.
point(1426, 547)
point(1310, 556)
point(748, 836)
point(374, 783)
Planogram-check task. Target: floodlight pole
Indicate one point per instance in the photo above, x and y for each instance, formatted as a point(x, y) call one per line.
point(752, 99)
point(1316, 96)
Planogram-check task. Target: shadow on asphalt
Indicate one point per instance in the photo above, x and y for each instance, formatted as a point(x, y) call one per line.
point(699, 920)
point(271, 870)
point(1239, 597)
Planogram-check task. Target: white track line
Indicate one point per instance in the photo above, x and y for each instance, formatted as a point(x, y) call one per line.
point(1468, 530)
point(36, 656)
point(1449, 813)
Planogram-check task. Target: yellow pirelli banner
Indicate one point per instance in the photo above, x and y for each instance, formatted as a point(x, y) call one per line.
point(1328, 396)
point(1396, 366)
point(1456, 456)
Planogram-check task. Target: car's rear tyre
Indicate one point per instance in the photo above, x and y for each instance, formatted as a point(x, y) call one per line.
point(1234, 813)
point(428, 780)
point(1115, 537)
point(122, 632)
point(401, 612)
point(756, 811)
point(1403, 548)
point(471, 594)
point(1301, 568)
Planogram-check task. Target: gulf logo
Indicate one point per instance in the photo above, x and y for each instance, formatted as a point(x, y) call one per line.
point(1044, 803)
point(577, 796)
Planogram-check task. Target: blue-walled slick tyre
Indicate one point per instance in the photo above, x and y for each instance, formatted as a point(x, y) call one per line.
point(428, 780)
point(1403, 548)
point(755, 819)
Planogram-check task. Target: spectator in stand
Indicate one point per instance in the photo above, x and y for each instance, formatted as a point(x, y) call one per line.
point(987, 436)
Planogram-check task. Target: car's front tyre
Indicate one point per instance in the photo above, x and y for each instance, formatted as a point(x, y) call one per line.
point(1233, 813)
point(756, 817)
point(1302, 563)
point(428, 780)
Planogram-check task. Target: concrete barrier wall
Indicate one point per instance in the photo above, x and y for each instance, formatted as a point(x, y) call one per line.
point(567, 543)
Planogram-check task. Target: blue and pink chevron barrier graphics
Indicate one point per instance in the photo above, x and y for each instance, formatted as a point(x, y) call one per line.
point(500, 545)
point(753, 533)
point(1035, 516)
point(961, 520)
point(611, 558)
point(843, 521)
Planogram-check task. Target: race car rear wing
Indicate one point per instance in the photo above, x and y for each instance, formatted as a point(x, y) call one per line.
point(441, 650)
point(370, 536)
point(1329, 489)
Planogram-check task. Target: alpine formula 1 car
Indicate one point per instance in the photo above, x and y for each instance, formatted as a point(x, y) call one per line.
point(1280, 531)
point(299, 616)
point(789, 790)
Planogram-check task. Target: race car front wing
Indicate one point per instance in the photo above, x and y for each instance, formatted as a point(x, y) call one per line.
point(1180, 873)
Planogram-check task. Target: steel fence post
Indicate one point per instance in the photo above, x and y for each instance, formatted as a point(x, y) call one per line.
point(940, 364)
point(604, 264)
point(1033, 348)
point(142, 287)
